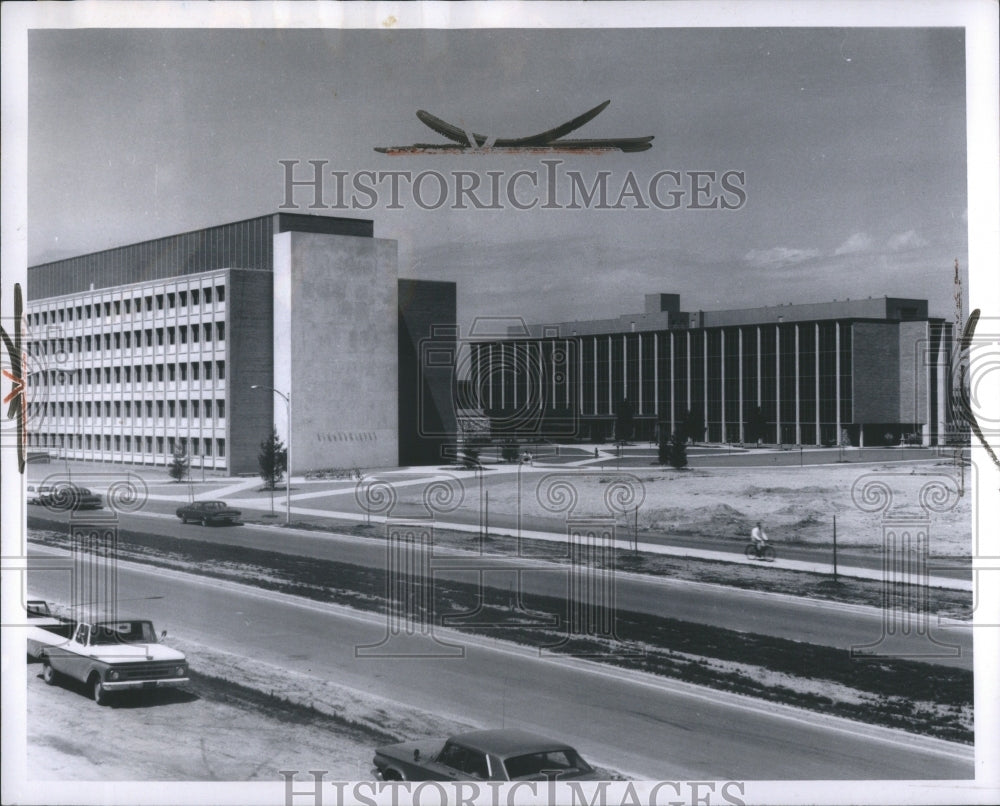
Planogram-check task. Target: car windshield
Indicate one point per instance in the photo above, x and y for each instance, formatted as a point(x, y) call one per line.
point(123, 632)
point(534, 765)
point(214, 505)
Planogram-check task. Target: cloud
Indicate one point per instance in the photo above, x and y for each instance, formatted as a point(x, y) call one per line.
point(778, 257)
point(858, 242)
point(910, 239)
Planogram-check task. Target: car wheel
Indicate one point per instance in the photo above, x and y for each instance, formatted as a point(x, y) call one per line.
point(97, 690)
point(48, 673)
point(204, 521)
point(184, 520)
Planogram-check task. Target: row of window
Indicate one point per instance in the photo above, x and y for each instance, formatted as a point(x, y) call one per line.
point(145, 445)
point(138, 303)
point(196, 409)
point(195, 371)
point(197, 333)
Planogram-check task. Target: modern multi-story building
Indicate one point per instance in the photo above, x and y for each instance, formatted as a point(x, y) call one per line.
point(866, 371)
point(137, 350)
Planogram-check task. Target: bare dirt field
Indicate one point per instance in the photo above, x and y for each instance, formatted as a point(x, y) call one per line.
point(795, 504)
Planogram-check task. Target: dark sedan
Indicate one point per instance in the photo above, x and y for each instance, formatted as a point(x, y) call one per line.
point(483, 755)
point(208, 512)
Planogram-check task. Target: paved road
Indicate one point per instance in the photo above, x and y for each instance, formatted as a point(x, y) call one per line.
point(630, 722)
point(795, 618)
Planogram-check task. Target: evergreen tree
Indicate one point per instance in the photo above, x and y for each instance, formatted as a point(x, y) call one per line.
point(272, 460)
point(677, 451)
point(179, 462)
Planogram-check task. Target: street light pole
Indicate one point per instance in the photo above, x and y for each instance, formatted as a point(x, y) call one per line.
point(288, 449)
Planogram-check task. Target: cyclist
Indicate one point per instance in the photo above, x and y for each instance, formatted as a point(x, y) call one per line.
point(759, 538)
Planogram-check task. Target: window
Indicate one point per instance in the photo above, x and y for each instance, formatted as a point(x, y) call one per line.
point(171, 372)
point(118, 374)
point(149, 444)
point(220, 407)
point(220, 445)
point(107, 408)
point(171, 409)
point(128, 374)
point(208, 409)
point(171, 300)
point(194, 409)
point(208, 331)
point(195, 371)
point(171, 336)
point(195, 446)
point(107, 341)
point(184, 371)
point(159, 409)
point(184, 409)
point(88, 409)
point(128, 408)
point(118, 340)
point(118, 307)
point(195, 333)
point(220, 331)
point(128, 339)
point(149, 303)
point(182, 333)
point(149, 373)
point(208, 296)
point(88, 375)
point(207, 366)
point(149, 409)
point(220, 293)
point(159, 337)
point(182, 299)
point(159, 373)
point(107, 310)
point(107, 375)
point(220, 367)
point(194, 296)
point(118, 409)
point(128, 306)
point(208, 447)
point(159, 302)
point(159, 444)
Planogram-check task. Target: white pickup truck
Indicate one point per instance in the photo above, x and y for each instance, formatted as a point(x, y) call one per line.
point(107, 656)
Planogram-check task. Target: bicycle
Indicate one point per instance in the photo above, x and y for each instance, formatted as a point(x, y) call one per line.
point(765, 552)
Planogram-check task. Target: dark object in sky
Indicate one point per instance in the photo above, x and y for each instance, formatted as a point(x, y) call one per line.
point(543, 141)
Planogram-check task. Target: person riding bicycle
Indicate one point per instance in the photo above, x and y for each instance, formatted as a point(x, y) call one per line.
point(759, 537)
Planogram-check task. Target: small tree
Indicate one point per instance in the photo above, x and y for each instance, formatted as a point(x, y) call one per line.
point(272, 460)
point(663, 445)
point(677, 452)
point(179, 463)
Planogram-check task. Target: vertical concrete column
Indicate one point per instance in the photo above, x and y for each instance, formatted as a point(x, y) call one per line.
point(689, 370)
point(596, 412)
point(673, 395)
point(624, 367)
point(515, 365)
point(656, 374)
point(777, 384)
point(704, 382)
point(489, 354)
point(819, 439)
point(942, 387)
point(611, 387)
point(722, 379)
point(798, 395)
point(759, 397)
point(639, 373)
point(503, 375)
point(837, 342)
point(739, 354)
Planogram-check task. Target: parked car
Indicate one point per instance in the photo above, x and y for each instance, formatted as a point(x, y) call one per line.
point(64, 496)
point(208, 512)
point(107, 656)
point(483, 755)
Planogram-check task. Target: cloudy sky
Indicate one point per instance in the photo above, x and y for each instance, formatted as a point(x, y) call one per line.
point(852, 141)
